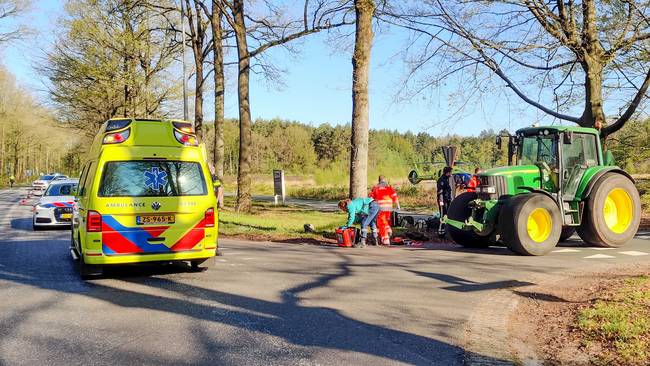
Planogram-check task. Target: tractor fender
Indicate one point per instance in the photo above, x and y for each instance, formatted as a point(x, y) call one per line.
point(537, 190)
point(600, 174)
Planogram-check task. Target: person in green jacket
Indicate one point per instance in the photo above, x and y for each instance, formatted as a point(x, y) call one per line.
point(364, 210)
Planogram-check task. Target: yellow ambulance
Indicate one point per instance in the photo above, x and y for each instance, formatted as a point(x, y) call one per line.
point(145, 195)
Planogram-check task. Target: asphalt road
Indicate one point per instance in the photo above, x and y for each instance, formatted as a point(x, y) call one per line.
point(263, 303)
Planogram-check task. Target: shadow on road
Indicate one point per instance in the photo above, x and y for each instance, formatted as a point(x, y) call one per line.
point(288, 319)
point(463, 285)
point(26, 225)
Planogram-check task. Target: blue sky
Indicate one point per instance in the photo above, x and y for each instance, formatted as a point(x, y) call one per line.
point(317, 86)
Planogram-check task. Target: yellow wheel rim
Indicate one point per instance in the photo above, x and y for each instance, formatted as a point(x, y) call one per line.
point(618, 210)
point(539, 225)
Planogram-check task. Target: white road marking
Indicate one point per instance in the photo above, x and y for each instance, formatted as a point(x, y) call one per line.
point(566, 250)
point(634, 253)
point(599, 256)
point(603, 248)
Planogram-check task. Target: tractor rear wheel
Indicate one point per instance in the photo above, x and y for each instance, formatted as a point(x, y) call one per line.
point(460, 211)
point(612, 212)
point(530, 224)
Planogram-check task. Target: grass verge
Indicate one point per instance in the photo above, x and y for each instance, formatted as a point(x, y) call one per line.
point(619, 324)
point(277, 223)
point(411, 197)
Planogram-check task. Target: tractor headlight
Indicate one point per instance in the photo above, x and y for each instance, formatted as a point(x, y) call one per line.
point(487, 189)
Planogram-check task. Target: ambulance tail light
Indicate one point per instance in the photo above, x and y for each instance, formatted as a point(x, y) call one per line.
point(117, 137)
point(209, 217)
point(186, 139)
point(94, 222)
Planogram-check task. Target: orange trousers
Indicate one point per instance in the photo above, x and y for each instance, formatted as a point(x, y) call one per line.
point(383, 224)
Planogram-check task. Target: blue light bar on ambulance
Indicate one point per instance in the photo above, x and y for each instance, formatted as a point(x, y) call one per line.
point(184, 127)
point(117, 124)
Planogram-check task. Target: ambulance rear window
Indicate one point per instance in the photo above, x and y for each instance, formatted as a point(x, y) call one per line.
point(152, 179)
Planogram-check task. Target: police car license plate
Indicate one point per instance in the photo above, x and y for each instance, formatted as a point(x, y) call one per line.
point(155, 219)
point(66, 216)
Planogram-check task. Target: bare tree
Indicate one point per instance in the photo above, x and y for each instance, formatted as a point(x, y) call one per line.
point(110, 60)
point(216, 17)
point(365, 10)
point(269, 29)
point(9, 9)
point(563, 57)
point(200, 49)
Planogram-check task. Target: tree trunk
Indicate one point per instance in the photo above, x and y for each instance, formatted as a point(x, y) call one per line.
point(15, 167)
point(197, 34)
point(2, 151)
point(364, 10)
point(197, 48)
point(245, 134)
point(218, 90)
point(592, 65)
point(593, 115)
point(198, 101)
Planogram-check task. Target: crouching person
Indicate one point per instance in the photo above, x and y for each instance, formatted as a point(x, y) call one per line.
point(362, 210)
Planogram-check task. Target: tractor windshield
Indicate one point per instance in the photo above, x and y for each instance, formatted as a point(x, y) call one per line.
point(538, 148)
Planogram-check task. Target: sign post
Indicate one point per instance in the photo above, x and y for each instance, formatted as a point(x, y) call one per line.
point(278, 186)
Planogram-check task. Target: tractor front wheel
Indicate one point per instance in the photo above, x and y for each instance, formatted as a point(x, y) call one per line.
point(612, 212)
point(530, 224)
point(460, 211)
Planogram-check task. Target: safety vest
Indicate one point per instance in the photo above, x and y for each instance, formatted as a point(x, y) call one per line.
point(384, 195)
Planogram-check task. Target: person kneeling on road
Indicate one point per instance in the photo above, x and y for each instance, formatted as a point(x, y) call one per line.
point(364, 210)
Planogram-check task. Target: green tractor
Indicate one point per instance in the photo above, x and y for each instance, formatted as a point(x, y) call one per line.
point(558, 182)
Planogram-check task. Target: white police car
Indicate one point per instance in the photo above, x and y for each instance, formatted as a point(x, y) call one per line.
point(55, 207)
point(40, 185)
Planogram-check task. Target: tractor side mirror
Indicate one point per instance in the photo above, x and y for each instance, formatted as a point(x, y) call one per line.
point(568, 137)
point(498, 142)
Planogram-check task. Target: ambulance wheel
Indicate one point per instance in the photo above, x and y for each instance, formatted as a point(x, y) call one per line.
point(612, 212)
point(460, 211)
point(530, 224)
point(201, 264)
point(567, 232)
point(88, 271)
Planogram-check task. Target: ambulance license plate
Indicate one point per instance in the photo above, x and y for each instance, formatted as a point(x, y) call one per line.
point(155, 219)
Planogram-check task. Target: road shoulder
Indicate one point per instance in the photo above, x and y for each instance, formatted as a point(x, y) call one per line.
point(506, 325)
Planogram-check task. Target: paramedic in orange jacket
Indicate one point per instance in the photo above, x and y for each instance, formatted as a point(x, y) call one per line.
point(385, 195)
point(474, 181)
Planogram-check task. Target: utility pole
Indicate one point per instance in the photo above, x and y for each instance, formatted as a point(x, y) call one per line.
point(185, 108)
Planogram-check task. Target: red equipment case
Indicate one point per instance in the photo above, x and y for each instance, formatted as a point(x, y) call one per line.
point(346, 237)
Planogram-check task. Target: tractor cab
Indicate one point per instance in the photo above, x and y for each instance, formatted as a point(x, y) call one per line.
point(561, 154)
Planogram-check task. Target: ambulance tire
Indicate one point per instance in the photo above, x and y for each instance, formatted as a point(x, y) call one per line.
point(202, 264)
point(88, 271)
point(460, 211)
